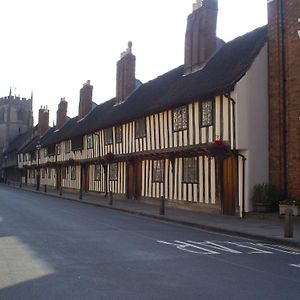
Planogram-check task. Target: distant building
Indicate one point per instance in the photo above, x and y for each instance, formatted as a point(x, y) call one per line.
point(15, 119)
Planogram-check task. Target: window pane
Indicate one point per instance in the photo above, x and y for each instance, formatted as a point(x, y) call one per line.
point(180, 118)
point(119, 134)
point(113, 171)
point(97, 175)
point(107, 136)
point(190, 170)
point(90, 141)
point(207, 113)
point(140, 128)
point(158, 170)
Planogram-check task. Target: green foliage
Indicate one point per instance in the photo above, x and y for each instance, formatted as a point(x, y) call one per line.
point(265, 193)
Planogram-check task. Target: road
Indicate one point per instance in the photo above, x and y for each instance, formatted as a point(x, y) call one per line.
point(52, 248)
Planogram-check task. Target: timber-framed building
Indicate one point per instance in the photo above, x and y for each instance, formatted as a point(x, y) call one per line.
point(196, 135)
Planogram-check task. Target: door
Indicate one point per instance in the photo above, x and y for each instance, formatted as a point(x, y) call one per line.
point(229, 186)
point(58, 178)
point(133, 180)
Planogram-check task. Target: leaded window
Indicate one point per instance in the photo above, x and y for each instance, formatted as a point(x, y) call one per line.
point(190, 170)
point(180, 118)
point(119, 134)
point(108, 138)
point(43, 173)
point(73, 173)
point(90, 141)
point(113, 171)
point(140, 128)
point(158, 171)
point(97, 173)
point(49, 173)
point(207, 113)
point(58, 150)
point(45, 152)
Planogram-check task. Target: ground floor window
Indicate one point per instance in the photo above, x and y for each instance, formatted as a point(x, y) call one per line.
point(64, 172)
point(190, 170)
point(73, 173)
point(97, 172)
point(43, 173)
point(113, 171)
point(158, 171)
point(49, 173)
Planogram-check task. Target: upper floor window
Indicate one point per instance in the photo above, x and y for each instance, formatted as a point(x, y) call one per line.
point(45, 152)
point(76, 143)
point(21, 115)
point(108, 138)
point(119, 134)
point(180, 118)
point(67, 146)
point(190, 170)
point(207, 113)
point(58, 149)
point(90, 141)
point(140, 128)
point(113, 171)
point(158, 171)
point(97, 173)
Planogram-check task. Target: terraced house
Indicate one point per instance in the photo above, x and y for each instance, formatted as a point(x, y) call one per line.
point(196, 135)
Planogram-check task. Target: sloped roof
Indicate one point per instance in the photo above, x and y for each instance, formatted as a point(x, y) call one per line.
point(172, 89)
point(18, 141)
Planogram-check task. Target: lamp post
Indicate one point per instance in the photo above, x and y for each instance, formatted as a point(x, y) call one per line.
point(38, 175)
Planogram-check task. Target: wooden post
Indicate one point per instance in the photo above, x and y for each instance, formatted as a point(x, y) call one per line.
point(162, 206)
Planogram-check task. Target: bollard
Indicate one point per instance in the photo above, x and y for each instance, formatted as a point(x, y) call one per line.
point(45, 188)
point(288, 224)
point(60, 191)
point(110, 198)
point(162, 206)
point(80, 193)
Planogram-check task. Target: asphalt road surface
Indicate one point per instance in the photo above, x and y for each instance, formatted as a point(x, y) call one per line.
point(52, 248)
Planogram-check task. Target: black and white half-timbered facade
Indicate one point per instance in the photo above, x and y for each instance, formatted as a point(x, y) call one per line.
point(196, 135)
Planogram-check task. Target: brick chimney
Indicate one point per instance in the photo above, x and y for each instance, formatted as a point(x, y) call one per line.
point(61, 114)
point(85, 102)
point(125, 74)
point(43, 124)
point(200, 36)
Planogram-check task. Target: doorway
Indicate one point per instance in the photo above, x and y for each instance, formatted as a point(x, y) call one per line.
point(133, 179)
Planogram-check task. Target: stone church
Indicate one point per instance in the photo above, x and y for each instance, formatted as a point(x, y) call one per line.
point(15, 118)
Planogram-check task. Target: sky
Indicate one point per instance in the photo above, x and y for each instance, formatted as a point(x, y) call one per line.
point(52, 47)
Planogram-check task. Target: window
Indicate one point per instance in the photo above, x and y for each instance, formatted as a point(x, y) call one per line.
point(67, 146)
point(45, 152)
point(180, 118)
point(64, 171)
point(108, 136)
point(76, 143)
point(21, 115)
point(49, 173)
point(51, 150)
point(119, 134)
point(43, 173)
point(140, 128)
point(2, 115)
point(190, 170)
point(158, 171)
point(58, 149)
point(73, 173)
point(97, 173)
point(90, 141)
point(113, 171)
point(207, 113)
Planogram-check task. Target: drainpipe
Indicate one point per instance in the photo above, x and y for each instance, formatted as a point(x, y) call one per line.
point(227, 95)
point(243, 182)
point(283, 95)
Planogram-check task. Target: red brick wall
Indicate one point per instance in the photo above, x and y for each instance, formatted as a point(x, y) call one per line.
point(43, 124)
point(61, 114)
point(284, 96)
point(85, 102)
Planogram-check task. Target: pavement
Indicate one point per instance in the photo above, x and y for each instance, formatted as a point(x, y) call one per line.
point(256, 226)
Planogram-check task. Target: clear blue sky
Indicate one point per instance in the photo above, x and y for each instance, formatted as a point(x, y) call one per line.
point(53, 46)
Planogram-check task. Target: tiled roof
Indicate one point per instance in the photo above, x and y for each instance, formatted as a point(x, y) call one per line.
point(172, 89)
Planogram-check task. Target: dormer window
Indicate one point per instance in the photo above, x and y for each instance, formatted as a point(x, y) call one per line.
point(180, 118)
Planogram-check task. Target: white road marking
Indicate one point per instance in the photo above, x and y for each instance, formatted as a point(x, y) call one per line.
point(218, 247)
point(293, 265)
